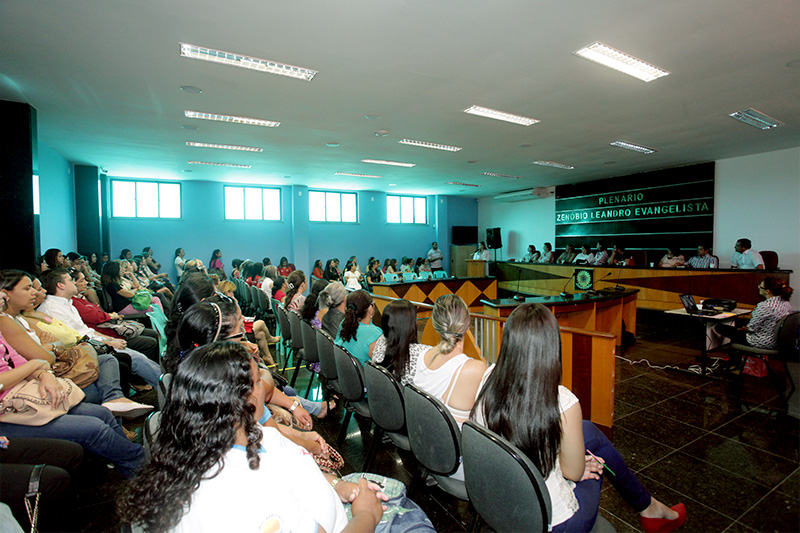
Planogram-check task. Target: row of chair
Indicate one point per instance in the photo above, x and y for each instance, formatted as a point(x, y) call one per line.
point(411, 276)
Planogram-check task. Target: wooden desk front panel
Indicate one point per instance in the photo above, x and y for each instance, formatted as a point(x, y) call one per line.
point(471, 290)
point(659, 287)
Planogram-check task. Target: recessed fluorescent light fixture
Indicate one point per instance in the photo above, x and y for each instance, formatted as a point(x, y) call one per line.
point(500, 115)
point(356, 175)
point(618, 60)
point(435, 146)
point(232, 165)
point(225, 146)
point(553, 164)
point(391, 163)
point(461, 184)
point(756, 119)
point(231, 118)
point(499, 175)
point(253, 63)
point(634, 147)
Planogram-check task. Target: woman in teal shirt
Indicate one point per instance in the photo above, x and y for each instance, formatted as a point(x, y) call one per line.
point(357, 333)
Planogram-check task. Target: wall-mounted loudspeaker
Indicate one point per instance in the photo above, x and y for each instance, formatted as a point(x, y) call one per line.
point(493, 238)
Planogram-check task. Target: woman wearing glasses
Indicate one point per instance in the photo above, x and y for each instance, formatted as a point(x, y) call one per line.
point(760, 330)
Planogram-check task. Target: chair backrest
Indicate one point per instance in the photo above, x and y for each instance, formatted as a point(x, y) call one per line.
point(524, 503)
point(639, 258)
point(390, 276)
point(164, 383)
point(150, 430)
point(385, 398)
point(294, 325)
point(263, 302)
point(308, 332)
point(254, 296)
point(786, 332)
point(770, 260)
point(105, 300)
point(425, 275)
point(350, 374)
point(439, 274)
point(409, 276)
point(283, 321)
point(432, 432)
point(327, 361)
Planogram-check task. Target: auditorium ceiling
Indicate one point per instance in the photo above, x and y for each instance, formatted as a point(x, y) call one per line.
point(106, 77)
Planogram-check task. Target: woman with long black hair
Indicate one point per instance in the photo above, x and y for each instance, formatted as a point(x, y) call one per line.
point(215, 467)
point(357, 333)
point(398, 349)
point(522, 400)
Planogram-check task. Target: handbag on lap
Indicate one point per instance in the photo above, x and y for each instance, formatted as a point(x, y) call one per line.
point(78, 364)
point(128, 329)
point(24, 405)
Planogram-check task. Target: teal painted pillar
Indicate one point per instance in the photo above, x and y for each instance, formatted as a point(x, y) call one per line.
point(300, 240)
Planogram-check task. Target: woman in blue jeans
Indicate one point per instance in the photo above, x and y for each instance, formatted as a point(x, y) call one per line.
point(91, 426)
point(522, 401)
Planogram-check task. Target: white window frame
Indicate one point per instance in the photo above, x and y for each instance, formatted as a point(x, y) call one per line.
point(158, 184)
point(245, 213)
point(329, 197)
point(400, 211)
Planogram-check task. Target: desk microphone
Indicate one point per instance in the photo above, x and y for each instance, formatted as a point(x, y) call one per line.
point(564, 293)
point(617, 287)
point(518, 296)
point(593, 292)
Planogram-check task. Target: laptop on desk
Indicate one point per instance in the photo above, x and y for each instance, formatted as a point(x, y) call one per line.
point(691, 307)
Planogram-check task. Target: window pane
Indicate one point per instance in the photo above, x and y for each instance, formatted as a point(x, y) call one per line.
point(252, 204)
point(393, 209)
point(146, 199)
point(123, 198)
point(419, 211)
point(272, 204)
point(406, 210)
point(169, 199)
point(234, 203)
point(316, 206)
point(349, 211)
point(35, 194)
point(332, 209)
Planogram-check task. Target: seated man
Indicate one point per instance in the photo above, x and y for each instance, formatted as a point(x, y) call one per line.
point(703, 259)
point(58, 304)
point(620, 257)
point(745, 257)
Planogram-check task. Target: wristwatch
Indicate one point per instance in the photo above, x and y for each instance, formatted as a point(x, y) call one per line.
point(295, 405)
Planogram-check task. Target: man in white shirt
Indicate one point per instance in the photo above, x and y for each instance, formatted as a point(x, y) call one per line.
point(58, 304)
point(746, 258)
point(435, 257)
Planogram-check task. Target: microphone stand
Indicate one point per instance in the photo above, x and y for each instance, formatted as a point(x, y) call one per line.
point(618, 287)
point(518, 296)
point(594, 292)
point(568, 295)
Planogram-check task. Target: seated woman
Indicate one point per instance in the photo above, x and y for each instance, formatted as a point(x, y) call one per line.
point(120, 296)
point(374, 274)
point(310, 310)
point(215, 264)
point(279, 288)
point(445, 371)
point(146, 279)
point(532, 256)
point(672, 258)
point(352, 277)
point(179, 262)
point(54, 258)
point(215, 467)
point(25, 336)
point(284, 268)
point(397, 349)
point(760, 330)
point(92, 426)
point(332, 302)
point(357, 333)
point(295, 298)
point(523, 402)
point(260, 330)
point(586, 257)
point(547, 256)
point(620, 257)
point(317, 270)
point(217, 319)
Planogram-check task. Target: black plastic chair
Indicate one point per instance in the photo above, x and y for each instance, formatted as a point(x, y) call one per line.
point(351, 383)
point(310, 353)
point(387, 407)
point(150, 430)
point(435, 439)
point(298, 354)
point(786, 333)
point(520, 502)
point(286, 334)
point(164, 383)
point(327, 365)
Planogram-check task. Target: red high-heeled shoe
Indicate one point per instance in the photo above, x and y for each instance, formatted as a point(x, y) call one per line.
point(664, 525)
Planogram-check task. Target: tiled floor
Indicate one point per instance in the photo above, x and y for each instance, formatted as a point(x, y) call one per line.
point(729, 449)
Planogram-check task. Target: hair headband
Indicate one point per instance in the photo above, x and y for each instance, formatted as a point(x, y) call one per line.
point(219, 320)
